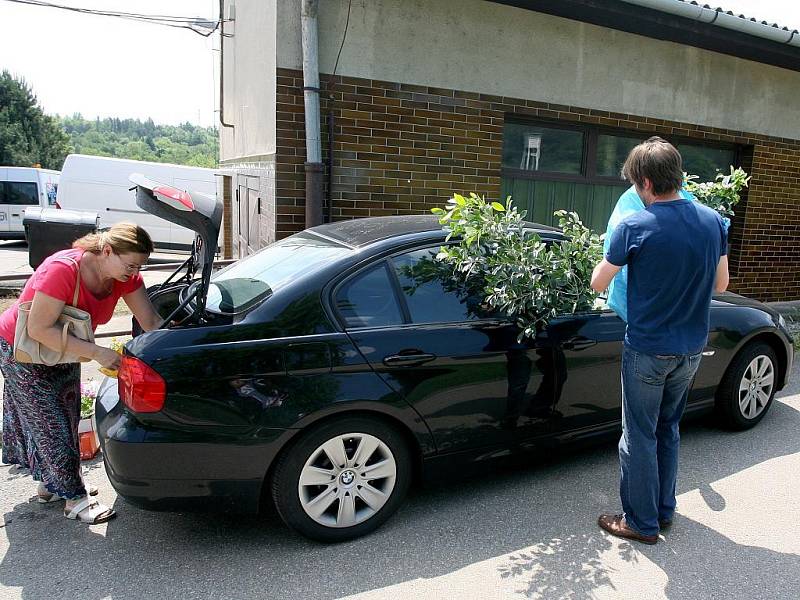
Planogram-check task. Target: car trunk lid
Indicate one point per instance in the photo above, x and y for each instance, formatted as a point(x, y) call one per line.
point(198, 212)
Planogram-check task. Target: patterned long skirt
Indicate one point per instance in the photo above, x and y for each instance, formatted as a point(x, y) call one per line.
point(41, 410)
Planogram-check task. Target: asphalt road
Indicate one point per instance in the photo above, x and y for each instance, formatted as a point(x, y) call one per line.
point(522, 532)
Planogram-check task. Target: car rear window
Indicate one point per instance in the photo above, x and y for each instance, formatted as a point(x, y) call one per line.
point(254, 278)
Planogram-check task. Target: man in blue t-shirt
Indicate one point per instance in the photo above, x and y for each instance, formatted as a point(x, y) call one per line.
point(676, 254)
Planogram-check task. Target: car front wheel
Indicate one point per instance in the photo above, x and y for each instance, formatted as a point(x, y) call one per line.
point(748, 387)
point(342, 479)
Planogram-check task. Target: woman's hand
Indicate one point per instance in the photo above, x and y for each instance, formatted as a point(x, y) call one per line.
point(107, 357)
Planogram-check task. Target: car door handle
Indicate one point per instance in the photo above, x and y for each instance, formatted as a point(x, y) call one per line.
point(578, 343)
point(408, 360)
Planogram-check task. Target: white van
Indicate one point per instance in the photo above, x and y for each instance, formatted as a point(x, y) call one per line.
point(21, 187)
point(101, 185)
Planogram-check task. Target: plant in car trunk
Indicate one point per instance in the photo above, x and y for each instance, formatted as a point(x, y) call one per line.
point(517, 273)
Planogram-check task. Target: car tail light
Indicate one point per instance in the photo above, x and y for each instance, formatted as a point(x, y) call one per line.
point(58, 205)
point(141, 389)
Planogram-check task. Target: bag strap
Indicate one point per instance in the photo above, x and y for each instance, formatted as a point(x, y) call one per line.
point(77, 278)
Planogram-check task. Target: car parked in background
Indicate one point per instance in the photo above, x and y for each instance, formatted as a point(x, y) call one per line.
point(100, 184)
point(328, 370)
point(21, 188)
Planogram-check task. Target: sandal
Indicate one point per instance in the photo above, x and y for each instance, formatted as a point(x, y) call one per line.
point(91, 512)
point(46, 497)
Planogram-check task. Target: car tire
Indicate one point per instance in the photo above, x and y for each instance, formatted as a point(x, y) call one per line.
point(747, 389)
point(355, 502)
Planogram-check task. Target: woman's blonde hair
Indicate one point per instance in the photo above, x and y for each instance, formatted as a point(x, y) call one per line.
point(124, 238)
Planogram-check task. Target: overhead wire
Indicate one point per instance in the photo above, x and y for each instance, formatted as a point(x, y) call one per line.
point(164, 20)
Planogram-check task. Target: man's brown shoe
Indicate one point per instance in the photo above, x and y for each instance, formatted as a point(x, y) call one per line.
point(616, 525)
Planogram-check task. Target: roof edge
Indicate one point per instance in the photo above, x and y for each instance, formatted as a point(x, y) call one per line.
point(632, 16)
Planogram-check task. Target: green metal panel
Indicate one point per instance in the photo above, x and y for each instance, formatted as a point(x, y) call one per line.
point(593, 202)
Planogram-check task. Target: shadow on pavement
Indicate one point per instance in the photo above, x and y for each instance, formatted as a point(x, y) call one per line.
point(539, 521)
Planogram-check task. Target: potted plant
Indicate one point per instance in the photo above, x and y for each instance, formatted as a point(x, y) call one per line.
point(87, 430)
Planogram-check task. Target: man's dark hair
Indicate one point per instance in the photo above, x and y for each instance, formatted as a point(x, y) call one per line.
point(657, 160)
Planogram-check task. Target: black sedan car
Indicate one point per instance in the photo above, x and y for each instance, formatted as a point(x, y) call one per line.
point(328, 370)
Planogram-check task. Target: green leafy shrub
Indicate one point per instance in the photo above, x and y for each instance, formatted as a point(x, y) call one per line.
point(722, 194)
point(517, 273)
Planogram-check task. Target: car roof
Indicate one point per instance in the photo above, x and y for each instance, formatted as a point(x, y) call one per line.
point(358, 233)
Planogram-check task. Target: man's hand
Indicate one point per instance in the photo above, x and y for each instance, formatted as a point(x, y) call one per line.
point(602, 275)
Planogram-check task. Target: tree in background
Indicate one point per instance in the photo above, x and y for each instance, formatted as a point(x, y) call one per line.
point(27, 135)
point(184, 144)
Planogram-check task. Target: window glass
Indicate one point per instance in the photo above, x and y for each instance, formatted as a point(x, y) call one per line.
point(368, 300)
point(705, 162)
point(432, 294)
point(21, 192)
point(258, 276)
point(612, 150)
point(533, 148)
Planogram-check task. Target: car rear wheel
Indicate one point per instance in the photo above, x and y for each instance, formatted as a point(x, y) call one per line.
point(342, 479)
point(748, 387)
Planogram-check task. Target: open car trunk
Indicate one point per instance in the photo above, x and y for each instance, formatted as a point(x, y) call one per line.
point(182, 297)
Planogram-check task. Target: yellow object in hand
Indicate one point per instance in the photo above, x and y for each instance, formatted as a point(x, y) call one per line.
point(117, 347)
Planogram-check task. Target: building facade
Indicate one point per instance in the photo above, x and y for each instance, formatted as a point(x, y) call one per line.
point(423, 98)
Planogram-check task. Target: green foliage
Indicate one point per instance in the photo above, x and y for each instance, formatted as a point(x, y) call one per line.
point(517, 272)
point(184, 144)
point(722, 194)
point(88, 396)
point(27, 135)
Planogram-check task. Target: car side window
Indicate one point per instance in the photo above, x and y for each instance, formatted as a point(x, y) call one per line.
point(432, 293)
point(369, 300)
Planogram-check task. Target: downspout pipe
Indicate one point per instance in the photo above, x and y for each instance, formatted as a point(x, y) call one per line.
point(720, 18)
point(222, 65)
point(313, 166)
point(329, 197)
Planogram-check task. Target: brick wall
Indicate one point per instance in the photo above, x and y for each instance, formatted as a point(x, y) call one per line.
point(402, 149)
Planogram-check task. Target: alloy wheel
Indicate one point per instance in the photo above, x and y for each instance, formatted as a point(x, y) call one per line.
point(755, 388)
point(347, 480)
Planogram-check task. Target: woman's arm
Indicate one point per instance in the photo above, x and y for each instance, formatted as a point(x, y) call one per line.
point(142, 309)
point(42, 327)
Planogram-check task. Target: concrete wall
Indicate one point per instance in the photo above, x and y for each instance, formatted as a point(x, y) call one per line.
point(480, 46)
point(249, 94)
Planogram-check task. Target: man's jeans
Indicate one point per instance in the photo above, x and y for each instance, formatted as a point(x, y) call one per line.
point(654, 392)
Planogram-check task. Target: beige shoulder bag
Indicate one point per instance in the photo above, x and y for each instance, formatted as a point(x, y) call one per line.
point(72, 320)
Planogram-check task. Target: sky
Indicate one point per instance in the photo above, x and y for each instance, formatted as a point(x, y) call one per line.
point(110, 67)
point(152, 71)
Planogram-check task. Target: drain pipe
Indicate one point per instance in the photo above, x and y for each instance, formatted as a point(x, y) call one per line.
point(329, 196)
point(721, 18)
point(222, 65)
point(313, 165)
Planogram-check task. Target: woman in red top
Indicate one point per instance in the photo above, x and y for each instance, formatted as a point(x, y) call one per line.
point(41, 404)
